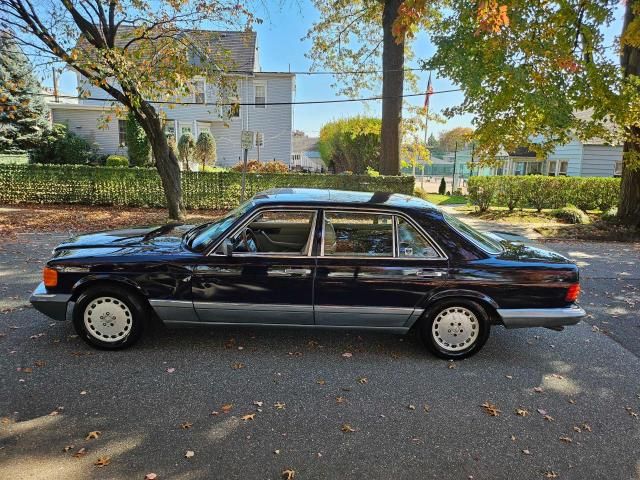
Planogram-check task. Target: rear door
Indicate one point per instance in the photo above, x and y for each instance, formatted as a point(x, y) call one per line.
point(269, 276)
point(374, 269)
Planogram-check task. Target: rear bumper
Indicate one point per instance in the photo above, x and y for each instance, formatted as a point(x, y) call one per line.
point(540, 317)
point(53, 305)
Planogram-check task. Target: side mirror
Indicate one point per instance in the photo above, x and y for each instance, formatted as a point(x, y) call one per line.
point(227, 247)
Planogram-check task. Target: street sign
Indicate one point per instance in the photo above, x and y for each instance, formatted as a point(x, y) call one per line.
point(259, 139)
point(246, 139)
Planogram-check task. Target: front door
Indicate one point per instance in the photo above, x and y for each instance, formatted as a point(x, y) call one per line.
point(374, 270)
point(269, 276)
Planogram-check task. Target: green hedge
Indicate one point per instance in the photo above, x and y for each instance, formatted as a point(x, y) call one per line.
point(537, 191)
point(141, 186)
point(116, 161)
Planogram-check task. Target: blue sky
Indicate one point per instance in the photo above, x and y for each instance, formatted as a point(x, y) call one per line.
point(281, 49)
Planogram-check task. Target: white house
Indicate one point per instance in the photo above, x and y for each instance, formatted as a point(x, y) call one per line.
point(305, 155)
point(87, 117)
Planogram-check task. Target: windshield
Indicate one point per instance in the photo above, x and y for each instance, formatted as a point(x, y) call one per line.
point(208, 233)
point(478, 238)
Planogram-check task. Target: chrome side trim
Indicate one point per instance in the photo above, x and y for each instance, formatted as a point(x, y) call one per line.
point(171, 303)
point(364, 310)
point(540, 317)
point(401, 330)
point(253, 307)
point(366, 317)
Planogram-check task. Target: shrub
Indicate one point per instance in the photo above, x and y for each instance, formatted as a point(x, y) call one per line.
point(138, 146)
point(61, 146)
point(186, 149)
point(351, 144)
point(571, 214)
point(254, 166)
point(443, 187)
point(610, 215)
point(509, 194)
point(205, 152)
point(372, 172)
point(117, 161)
point(482, 194)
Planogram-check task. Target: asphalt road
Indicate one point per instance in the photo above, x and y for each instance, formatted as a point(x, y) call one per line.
point(587, 380)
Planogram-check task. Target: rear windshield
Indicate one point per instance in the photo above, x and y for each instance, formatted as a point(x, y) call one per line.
point(473, 235)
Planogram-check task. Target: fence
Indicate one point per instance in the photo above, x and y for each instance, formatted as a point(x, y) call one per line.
point(142, 187)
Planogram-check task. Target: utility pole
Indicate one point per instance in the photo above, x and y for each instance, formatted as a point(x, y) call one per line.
point(455, 159)
point(55, 85)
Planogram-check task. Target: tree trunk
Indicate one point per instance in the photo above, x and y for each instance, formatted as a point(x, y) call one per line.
point(166, 161)
point(392, 83)
point(629, 206)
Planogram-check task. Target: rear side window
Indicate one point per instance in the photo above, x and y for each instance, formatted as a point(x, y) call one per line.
point(358, 234)
point(412, 244)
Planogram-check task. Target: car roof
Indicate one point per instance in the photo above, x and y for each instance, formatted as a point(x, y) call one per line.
point(327, 197)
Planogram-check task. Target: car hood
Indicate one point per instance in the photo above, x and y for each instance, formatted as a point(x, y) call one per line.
point(160, 237)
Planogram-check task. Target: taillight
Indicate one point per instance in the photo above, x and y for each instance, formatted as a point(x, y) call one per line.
point(50, 277)
point(572, 293)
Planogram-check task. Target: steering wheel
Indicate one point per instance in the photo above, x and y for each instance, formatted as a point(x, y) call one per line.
point(249, 240)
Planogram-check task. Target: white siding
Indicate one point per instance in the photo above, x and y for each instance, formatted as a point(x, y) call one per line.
point(84, 123)
point(600, 160)
point(274, 121)
point(573, 153)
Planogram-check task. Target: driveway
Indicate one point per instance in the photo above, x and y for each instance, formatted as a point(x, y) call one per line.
point(387, 410)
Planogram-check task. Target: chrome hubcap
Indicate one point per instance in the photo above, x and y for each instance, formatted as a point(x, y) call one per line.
point(455, 329)
point(107, 319)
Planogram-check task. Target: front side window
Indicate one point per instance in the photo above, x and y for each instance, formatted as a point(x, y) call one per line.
point(202, 236)
point(358, 234)
point(276, 232)
point(411, 243)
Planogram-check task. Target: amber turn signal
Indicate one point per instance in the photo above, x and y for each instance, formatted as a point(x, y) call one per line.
point(50, 277)
point(573, 292)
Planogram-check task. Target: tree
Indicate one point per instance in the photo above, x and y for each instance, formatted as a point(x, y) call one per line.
point(23, 114)
point(442, 189)
point(186, 149)
point(134, 51)
point(538, 74)
point(351, 144)
point(363, 36)
point(205, 151)
point(138, 146)
point(432, 142)
point(460, 136)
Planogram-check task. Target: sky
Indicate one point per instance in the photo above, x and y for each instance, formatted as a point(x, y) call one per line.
point(281, 48)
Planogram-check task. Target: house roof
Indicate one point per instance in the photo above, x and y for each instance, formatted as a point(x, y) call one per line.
point(236, 49)
point(587, 116)
point(302, 143)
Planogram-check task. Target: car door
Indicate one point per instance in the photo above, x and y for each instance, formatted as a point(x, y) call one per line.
point(268, 278)
point(374, 269)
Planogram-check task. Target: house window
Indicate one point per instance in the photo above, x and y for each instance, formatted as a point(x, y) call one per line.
point(617, 170)
point(260, 95)
point(122, 133)
point(169, 127)
point(199, 91)
point(186, 128)
point(551, 169)
point(563, 166)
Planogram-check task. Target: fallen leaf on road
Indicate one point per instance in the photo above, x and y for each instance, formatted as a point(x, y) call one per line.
point(631, 412)
point(257, 403)
point(452, 365)
point(171, 370)
point(102, 462)
point(39, 363)
point(509, 376)
point(549, 418)
point(83, 392)
point(550, 474)
point(426, 408)
point(279, 405)
point(346, 428)
point(347, 354)
point(491, 409)
point(150, 476)
point(189, 454)
point(526, 452)
point(538, 389)
point(577, 429)
point(186, 425)
point(586, 427)
point(341, 399)
point(80, 453)
point(26, 370)
point(363, 380)
point(321, 381)
point(541, 411)
point(288, 474)
point(523, 412)
point(33, 337)
point(572, 401)
point(513, 438)
point(68, 447)
point(93, 435)
point(276, 452)
point(54, 413)
point(237, 365)
point(248, 416)
point(295, 354)
point(565, 439)
point(411, 407)
point(226, 408)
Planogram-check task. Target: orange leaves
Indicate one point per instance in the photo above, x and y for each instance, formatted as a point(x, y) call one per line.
point(491, 409)
point(491, 16)
point(102, 462)
point(410, 12)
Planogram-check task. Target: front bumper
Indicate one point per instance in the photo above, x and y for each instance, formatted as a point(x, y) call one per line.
point(541, 317)
point(53, 305)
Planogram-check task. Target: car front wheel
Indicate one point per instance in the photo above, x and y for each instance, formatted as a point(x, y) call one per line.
point(108, 317)
point(455, 329)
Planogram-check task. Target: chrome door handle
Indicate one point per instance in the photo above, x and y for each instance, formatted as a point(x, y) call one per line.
point(430, 273)
point(297, 271)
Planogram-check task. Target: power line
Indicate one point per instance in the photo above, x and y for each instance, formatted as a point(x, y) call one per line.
point(242, 104)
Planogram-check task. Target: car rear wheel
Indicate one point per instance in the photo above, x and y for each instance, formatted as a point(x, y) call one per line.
point(108, 317)
point(455, 329)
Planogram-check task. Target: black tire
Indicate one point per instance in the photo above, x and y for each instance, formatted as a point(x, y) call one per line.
point(479, 322)
point(131, 314)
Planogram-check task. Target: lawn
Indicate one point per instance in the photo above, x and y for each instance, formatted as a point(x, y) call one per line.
point(438, 199)
point(13, 158)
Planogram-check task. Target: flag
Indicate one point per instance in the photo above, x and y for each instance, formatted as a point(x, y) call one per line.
point(428, 94)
